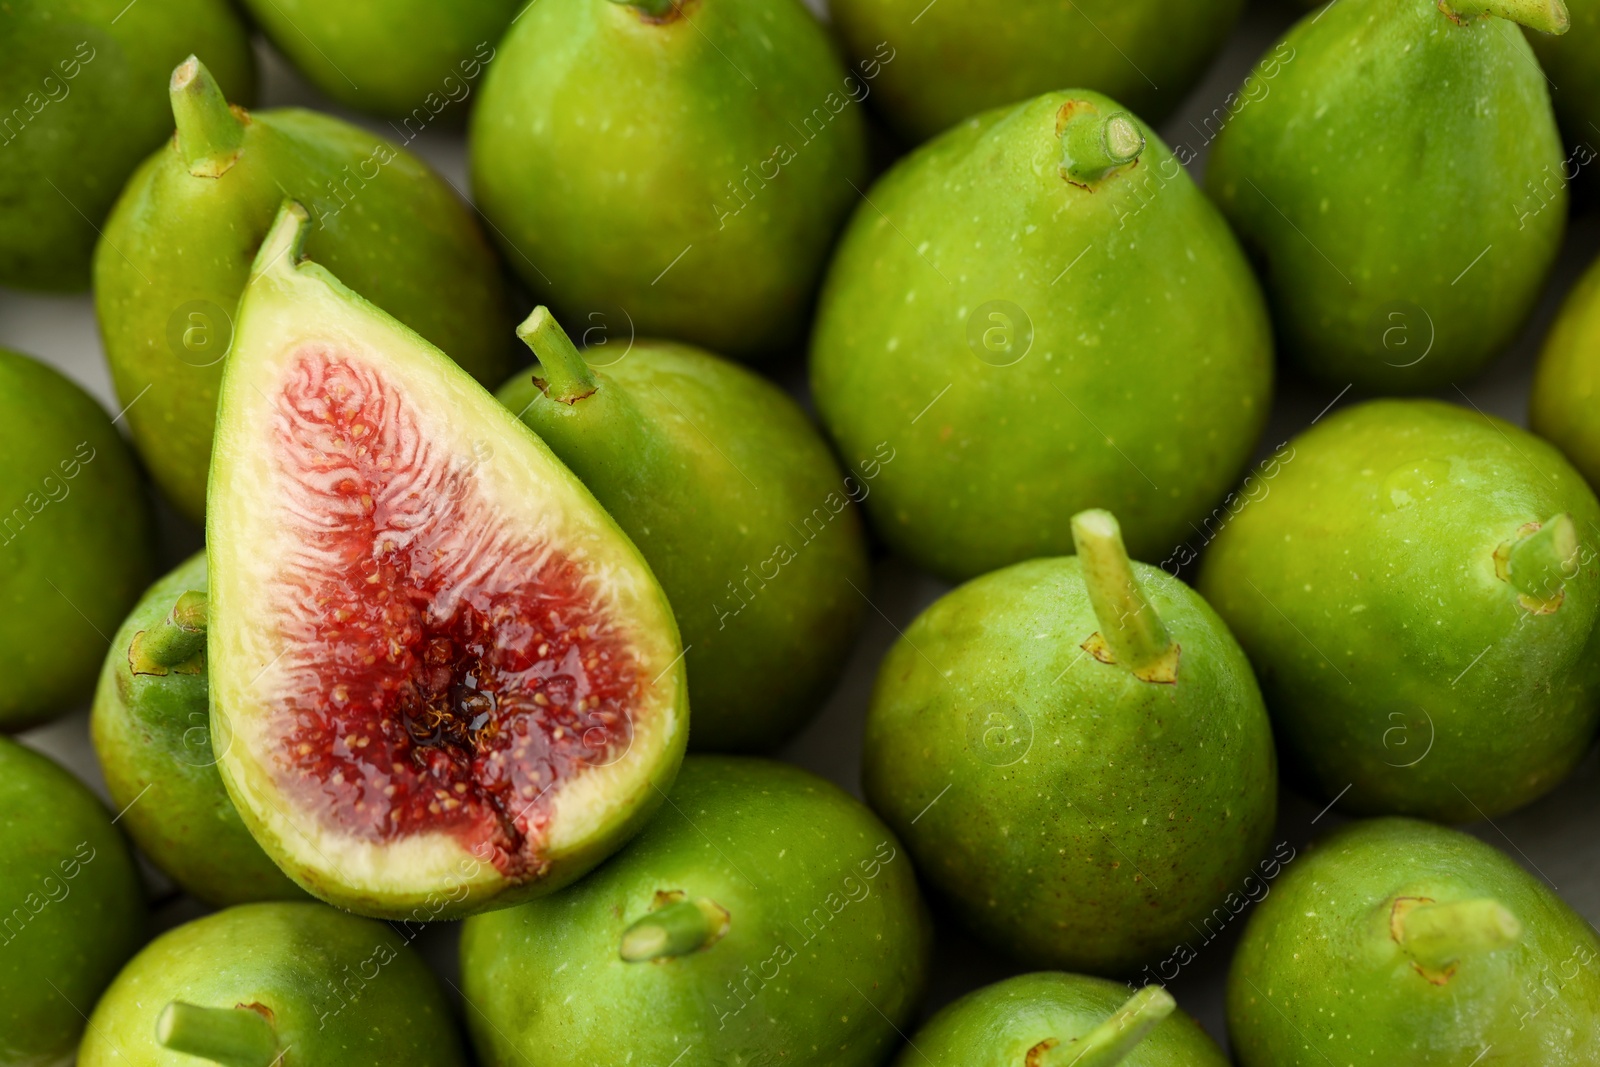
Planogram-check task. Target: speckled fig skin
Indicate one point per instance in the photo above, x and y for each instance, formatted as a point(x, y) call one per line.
point(1572, 60)
point(1321, 977)
point(1562, 406)
point(1394, 657)
point(1144, 387)
point(823, 953)
point(1389, 149)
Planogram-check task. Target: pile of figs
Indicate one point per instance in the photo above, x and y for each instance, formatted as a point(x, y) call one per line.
point(462, 568)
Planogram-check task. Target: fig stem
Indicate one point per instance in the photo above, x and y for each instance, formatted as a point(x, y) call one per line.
point(283, 246)
point(172, 641)
point(656, 9)
point(1093, 145)
point(675, 930)
point(233, 1037)
point(563, 373)
point(1437, 935)
point(1129, 624)
point(1540, 564)
point(210, 135)
point(1546, 16)
point(1112, 1041)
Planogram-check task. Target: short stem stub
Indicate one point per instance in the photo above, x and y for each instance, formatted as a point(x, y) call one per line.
point(1112, 1041)
point(210, 134)
point(659, 10)
point(1437, 936)
point(1539, 565)
point(174, 640)
point(675, 930)
point(563, 373)
point(1130, 628)
point(1093, 145)
point(1546, 16)
point(232, 1037)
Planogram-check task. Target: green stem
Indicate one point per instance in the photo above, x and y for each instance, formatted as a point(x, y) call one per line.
point(656, 9)
point(1546, 16)
point(172, 641)
point(1112, 1041)
point(675, 930)
point(1129, 624)
point(1540, 564)
point(1437, 935)
point(232, 1037)
point(285, 242)
point(210, 135)
point(564, 375)
point(1092, 145)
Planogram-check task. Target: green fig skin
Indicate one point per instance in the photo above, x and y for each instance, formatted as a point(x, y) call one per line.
point(692, 168)
point(84, 88)
point(152, 736)
point(337, 990)
point(1320, 976)
point(1561, 408)
point(1388, 151)
point(742, 513)
point(959, 59)
point(1402, 671)
point(1144, 388)
point(385, 223)
point(1572, 60)
point(823, 953)
point(77, 539)
point(387, 58)
point(74, 908)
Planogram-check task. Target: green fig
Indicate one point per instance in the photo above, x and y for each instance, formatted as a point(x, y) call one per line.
point(763, 917)
point(736, 502)
point(1418, 591)
point(932, 65)
point(73, 908)
point(270, 985)
point(1380, 175)
point(1039, 313)
point(178, 247)
point(442, 679)
point(1572, 60)
point(1394, 941)
point(1062, 1020)
point(1561, 408)
point(679, 165)
point(81, 88)
point(77, 540)
point(1075, 754)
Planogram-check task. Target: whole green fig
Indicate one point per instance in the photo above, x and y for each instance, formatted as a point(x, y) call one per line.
point(1039, 313)
point(1076, 755)
point(1380, 176)
point(1572, 60)
point(1562, 406)
point(1395, 941)
point(1418, 591)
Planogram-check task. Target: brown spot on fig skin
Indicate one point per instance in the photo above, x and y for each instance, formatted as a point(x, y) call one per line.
point(1036, 1054)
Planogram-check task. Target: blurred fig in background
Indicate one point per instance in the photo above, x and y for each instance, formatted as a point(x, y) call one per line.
point(1565, 405)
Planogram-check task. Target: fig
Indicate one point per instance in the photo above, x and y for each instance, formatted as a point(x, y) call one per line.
point(737, 504)
point(151, 731)
point(1572, 59)
point(81, 86)
point(1057, 1020)
point(1561, 407)
point(1418, 592)
point(77, 540)
point(1039, 313)
point(273, 984)
point(74, 908)
point(666, 166)
point(1395, 941)
point(764, 916)
point(1075, 754)
point(931, 67)
point(389, 226)
point(1380, 177)
point(442, 679)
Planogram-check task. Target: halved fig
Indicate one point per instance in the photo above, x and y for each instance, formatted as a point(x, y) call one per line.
point(442, 679)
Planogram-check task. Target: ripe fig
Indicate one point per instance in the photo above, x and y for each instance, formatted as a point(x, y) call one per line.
point(1395, 941)
point(1418, 592)
point(442, 679)
point(1368, 129)
point(392, 228)
point(1572, 59)
point(270, 985)
point(763, 916)
point(81, 89)
point(1561, 408)
point(77, 541)
point(669, 165)
point(1040, 314)
point(737, 504)
point(1081, 730)
point(74, 911)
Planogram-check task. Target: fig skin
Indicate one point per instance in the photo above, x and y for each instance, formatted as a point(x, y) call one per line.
point(1395, 660)
point(1320, 974)
point(1072, 814)
point(89, 75)
point(1390, 149)
point(739, 507)
point(632, 169)
point(75, 909)
point(1572, 60)
point(337, 990)
point(77, 539)
point(385, 223)
point(1147, 380)
point(814, 888)
point(152, 736)
point(960, 59)
point(1561, 407)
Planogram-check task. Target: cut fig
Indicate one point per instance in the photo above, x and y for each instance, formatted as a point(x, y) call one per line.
point(442, 678)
